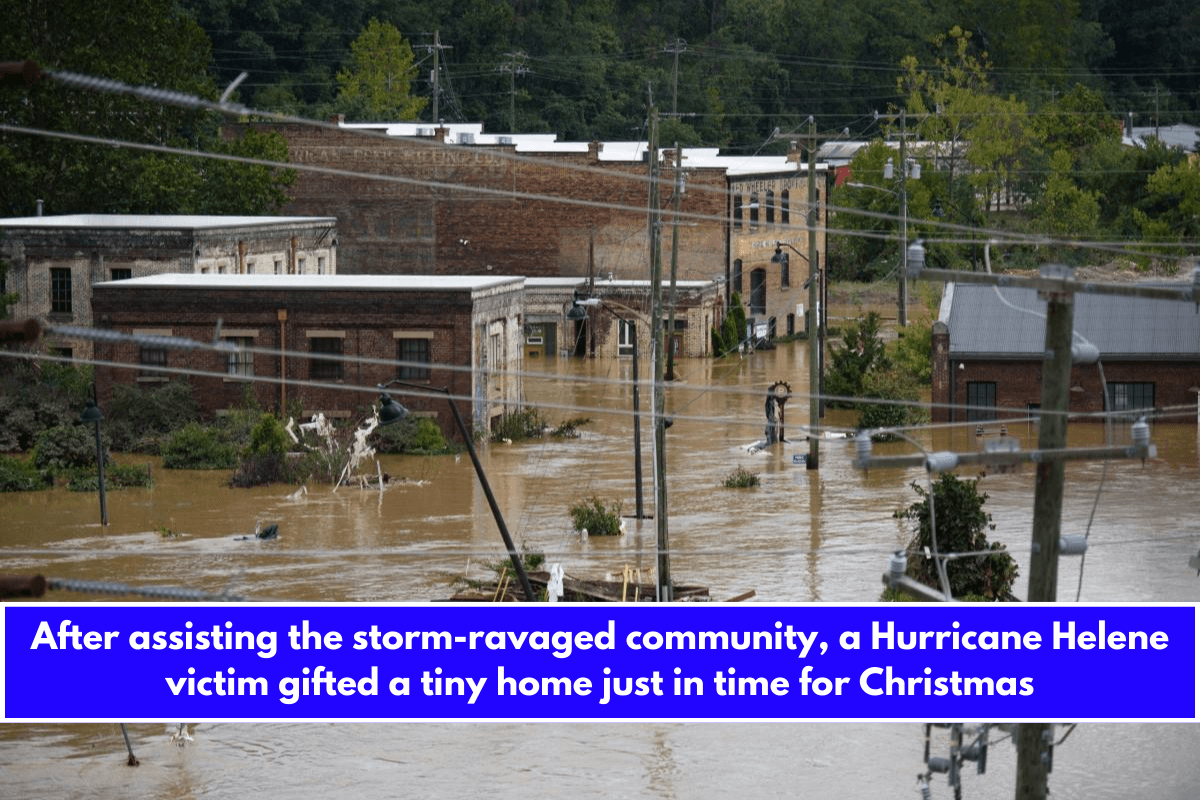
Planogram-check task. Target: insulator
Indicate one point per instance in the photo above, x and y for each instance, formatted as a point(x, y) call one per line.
point(939, 764)
point(915, 259)
point(1072, 544)
point(862, 448)
point(1084, 353)
point(941, 462)
point(926, 794)
point(897, 565)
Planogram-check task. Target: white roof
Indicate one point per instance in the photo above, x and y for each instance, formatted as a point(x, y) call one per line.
point(326, 282)
point(157, 221)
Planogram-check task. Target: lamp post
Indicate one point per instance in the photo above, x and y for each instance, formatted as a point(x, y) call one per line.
point(577, 312)
point(92, 413)
point(390, 411)
point(816, 335)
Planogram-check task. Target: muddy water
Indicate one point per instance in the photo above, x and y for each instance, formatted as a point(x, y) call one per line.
point(802, 535)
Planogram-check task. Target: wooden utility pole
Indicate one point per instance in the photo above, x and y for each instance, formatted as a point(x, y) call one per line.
point(815, 332)
point(660, 439)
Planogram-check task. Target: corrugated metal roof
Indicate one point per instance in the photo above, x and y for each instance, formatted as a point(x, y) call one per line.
point(983, 324)
point(318, 282)
point(156, 221)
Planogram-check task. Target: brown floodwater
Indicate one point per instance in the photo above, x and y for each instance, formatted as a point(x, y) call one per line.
point(800, 536)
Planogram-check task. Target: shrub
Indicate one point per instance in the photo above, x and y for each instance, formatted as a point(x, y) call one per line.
point(741, 478)
point(569, 429)
point(597, 519)
point(860, 352)
point(890, 384)
point(116, 476)
point(527, 424)
point(20, 475)
point(36, 396)
point(66, 447)
point(414, 435)
point(140, 417)
point(962, 527)
point(268, 437)
point(195, 446)
point(259, 470)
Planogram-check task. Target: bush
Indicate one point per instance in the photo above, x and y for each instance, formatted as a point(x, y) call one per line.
point(268, 438)
point(860, 352)
point(67, 447)
point(20, 475)
point(259, 470)
point(962, 527)
point(890, 384)
point(414, 435)
point(596, 519)
point(140, 416)
point(569, 429)
point(116, 476)
point(36, 396)
point(195, 446)
point(527, 424)
point(741, 478)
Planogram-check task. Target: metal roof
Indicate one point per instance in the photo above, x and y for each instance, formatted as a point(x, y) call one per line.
point(157, 221)
point(991, 322)
point(416, 283)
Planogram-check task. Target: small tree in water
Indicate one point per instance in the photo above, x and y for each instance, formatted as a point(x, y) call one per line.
point(962, 527)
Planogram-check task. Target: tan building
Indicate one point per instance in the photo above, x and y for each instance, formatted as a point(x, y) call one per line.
point(54, 261)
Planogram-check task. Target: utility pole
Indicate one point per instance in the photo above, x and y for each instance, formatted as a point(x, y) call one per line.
point(674, 263)
point(434, 78)
point(903, 288)
point(514, 67)
point(665, 593)
point(675, 48)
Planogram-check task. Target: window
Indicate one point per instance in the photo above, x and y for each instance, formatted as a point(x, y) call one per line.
point(625, 336)
point(785, 213)
point(737, 212)
point(770, 208)
point(758, 291)
point(151, 357)
point(791, 324)
point(981, 401)
point(413, 353)
point(320, 265)
point(60, 290)
point(250, 267)
point(278, 266)
point(326, 364)
point(121, 273)
point(63, 352)
point(785, 272)
point(300, 264)
point(1130, 397)
point(736, 278)
point(240, 362)
point(754, 211)
point(771, 329)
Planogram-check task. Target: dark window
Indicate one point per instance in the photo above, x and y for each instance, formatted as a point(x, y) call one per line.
point(326, 365)
point(152, 357)
point(121, 273)
point(63, 352)
point(60, 290)
point(785, 272)
point(737, 212)
point(770, 209)
point(737, 275)
point(241, 362)
point(785, 212)
point(754, 211)
point(791, 323)
point(771, 328)
point(981, 401)
point(412, 353)
point(758, 291)
point(1130, 397)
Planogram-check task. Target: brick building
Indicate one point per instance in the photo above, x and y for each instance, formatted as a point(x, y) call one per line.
point(988, 354)
point(331, 338)
point(53, 261)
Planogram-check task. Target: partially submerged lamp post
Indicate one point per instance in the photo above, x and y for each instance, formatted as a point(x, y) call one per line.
point(390, 412)
point(578, 312)
point(92, 413)
point(815, 335)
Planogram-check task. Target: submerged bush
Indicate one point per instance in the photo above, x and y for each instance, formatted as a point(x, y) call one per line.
point(116, 476)
point(67, 447)
point(741, 478)
point(20, 475)
point(413, 435)
point(195, 446)
point(597, 519)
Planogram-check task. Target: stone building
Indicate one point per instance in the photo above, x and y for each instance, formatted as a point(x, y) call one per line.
point(323, 343)
point(54, 261)
point(988, 352)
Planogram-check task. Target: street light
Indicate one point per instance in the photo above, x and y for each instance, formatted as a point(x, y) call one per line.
point(92, 413)
point(578, 311)
point(390, 412)
point(814, 352)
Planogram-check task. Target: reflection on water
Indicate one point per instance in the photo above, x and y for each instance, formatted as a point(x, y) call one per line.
point(820, 535)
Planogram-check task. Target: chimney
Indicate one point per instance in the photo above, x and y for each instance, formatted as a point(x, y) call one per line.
point(594, 149)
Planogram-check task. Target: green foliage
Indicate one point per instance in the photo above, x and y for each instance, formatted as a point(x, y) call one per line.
point(728, 337)
point(140, 416)
point(67, 447)
point(526, 424)
point(377, 83)
point(268, 438)
point(195, 446)
point(860, 352)
point(569, 428)
point(262, 469)
point(891, 384)
point(413, 435)
point(35, 396)
point(596, 518)
point(962, 527)
point(741, 478)
point(20, 475)
point(116, 476)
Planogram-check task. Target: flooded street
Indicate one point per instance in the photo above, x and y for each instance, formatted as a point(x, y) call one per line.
point(801, 536)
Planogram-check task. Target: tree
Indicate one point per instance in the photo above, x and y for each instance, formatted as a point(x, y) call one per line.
point(377, 83)
point(962, 526)
point(860, 352)
point(1174, 193)
point(1064, 209)
point(141, 42)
